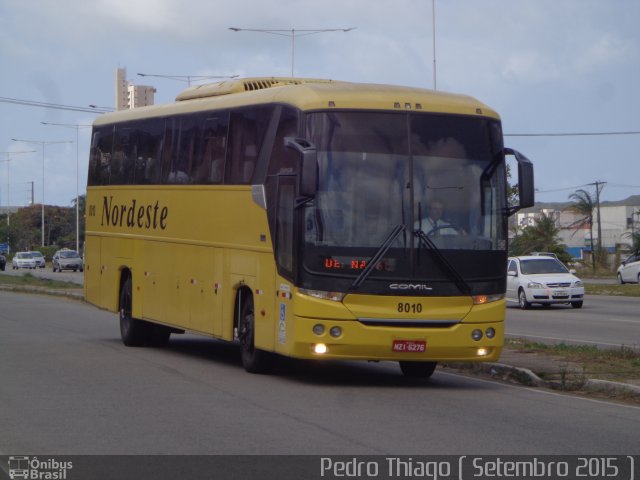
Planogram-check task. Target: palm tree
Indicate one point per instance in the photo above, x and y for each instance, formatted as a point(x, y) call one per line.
point(583, 205)
point(541, 237)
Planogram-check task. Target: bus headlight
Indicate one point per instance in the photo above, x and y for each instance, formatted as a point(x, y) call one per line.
point(318, 329)
point(333, 296)
point(335, 332)
point(482, 299)
point(476, 334)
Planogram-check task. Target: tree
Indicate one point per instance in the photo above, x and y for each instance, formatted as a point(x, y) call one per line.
point(541, 237)
point(583, 205)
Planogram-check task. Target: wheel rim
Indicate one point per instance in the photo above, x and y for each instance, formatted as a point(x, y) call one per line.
point(246, 329)
point(523, 299)
point(125, 308)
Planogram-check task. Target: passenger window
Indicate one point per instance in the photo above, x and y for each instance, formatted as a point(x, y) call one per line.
point(284, 160)
point(246, 134)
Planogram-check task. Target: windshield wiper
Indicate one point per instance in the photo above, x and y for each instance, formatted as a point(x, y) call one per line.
point(460, 282)
point(373, 261)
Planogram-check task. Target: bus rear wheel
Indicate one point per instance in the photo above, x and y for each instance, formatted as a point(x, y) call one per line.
point(253, 359)
point(417, 369)
point(134, 332)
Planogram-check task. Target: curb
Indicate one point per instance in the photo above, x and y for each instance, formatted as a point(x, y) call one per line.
point(524, 376)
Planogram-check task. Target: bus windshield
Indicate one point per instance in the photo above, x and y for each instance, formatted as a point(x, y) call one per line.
point(438, 175)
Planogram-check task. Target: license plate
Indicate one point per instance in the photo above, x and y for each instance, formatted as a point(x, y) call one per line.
point(409, 346)
point(560, 293)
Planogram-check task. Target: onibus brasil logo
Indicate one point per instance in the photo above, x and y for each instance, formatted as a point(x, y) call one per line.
point(22, 467)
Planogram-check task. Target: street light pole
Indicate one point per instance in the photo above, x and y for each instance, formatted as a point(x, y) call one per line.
point(77, 128)
point(293, 33)
point(188, 78)
point(43, 144)
point(8, 160)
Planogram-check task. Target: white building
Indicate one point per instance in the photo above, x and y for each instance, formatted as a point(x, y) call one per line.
point(617, 223)
point(129, 95)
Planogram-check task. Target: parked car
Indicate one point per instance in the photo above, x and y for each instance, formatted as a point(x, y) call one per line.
point(3, 262)
point(39, 258)
point(66, 259)
point(544, 280)
point(23, 260)
point(629, 270)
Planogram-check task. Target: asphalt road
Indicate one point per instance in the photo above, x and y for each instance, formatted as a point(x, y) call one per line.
point(68, 386)
point(605, 321)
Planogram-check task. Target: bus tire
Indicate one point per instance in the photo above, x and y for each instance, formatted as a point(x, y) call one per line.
point(417, 369)
point(253, 359)
point(134, 332)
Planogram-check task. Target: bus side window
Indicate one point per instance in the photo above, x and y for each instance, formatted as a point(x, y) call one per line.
point(149, 147)
point(170, 142)
point(284, 160)
point(246, 133)
point(210, 167)
point(124, 155)
point(100, 158)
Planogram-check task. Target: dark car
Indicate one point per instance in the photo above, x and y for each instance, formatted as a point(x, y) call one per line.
point(3, 262)
point(67, 260)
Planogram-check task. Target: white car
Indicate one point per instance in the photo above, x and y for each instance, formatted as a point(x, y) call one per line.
point(23, 260)
point(544, 280)
point(629, 271)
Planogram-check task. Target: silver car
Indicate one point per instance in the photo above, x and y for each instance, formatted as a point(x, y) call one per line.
point(629, 270)
point(544, 280)
point(67, 260)
point(39, 258)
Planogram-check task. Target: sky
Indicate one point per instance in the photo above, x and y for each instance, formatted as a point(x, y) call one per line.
point(546, 66)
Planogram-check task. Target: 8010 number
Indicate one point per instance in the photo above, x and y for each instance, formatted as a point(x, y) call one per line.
point(409, 307)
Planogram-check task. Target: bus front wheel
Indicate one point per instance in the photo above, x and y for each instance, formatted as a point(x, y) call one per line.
point(254, 360)
point(417, 369)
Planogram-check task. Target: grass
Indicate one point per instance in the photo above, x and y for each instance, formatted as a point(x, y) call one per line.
point(29, 280)
point(626, 290)
point(606, 364)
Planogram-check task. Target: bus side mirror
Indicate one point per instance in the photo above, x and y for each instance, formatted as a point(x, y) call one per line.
point(308, 173)
point(526, 190)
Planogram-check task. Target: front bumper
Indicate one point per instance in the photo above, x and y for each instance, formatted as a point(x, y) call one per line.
point(551, 295)
point(363, 342)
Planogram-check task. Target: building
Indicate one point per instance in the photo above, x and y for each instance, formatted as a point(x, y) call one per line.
point(129, 95)
point(618, 222)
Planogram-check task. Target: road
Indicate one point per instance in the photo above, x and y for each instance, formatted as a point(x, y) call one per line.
point(68, 386)
point(605, 321)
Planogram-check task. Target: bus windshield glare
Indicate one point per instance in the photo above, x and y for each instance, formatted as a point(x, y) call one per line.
point(379, 170)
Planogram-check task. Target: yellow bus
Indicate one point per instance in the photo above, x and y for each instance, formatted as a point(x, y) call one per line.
point(292, 216)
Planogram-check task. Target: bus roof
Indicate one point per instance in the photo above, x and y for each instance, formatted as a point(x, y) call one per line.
point(306, 94)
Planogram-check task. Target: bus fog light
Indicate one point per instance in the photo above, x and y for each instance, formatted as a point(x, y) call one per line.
point(490, 332)
point(335, 332)
point(320, 348)
point(483, 352)
point(318, 329)
point(476, 334)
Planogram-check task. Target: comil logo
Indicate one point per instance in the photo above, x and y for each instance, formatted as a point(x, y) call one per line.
point(35, 469)
point(409, 286)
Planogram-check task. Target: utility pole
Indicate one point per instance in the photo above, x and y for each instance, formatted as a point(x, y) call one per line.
point(598, 185)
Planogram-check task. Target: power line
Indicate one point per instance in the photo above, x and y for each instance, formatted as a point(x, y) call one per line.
point(73, 108)
point(571, 134)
